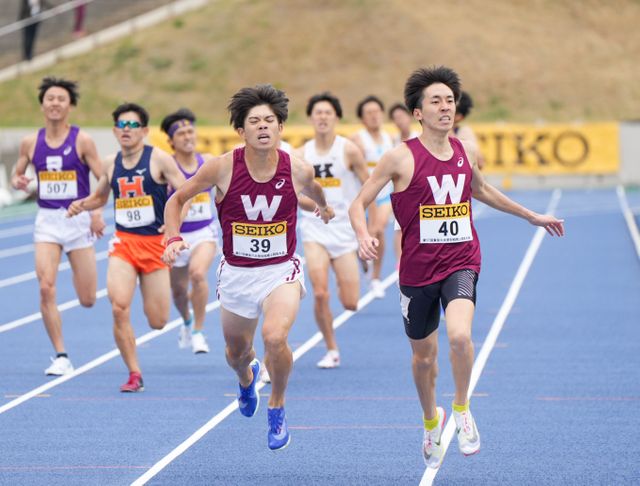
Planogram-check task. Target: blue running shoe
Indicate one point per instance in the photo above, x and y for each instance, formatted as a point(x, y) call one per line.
point(278, 436)
point(249, 398)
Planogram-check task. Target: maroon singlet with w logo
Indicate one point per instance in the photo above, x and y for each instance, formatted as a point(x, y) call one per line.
point(258, 219)
point(434, 212)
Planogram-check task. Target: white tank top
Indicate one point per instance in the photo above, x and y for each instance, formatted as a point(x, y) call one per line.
point(372, 150)
point(331, 173)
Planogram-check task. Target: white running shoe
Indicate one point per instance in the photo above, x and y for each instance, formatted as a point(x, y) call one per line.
point(264, 374)
point(199, 343)
point(377, 289)
point(432, 449)
point(467, 432)
point(184, 337)
point(330, 360)
point(59, 366)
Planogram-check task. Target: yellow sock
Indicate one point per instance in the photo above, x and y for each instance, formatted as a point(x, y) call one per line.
point(431, 424)
point(460, 408)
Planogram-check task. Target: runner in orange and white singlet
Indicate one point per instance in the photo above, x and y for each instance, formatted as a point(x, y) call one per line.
point(257, 189)
point(434, 177)
point(138, 176)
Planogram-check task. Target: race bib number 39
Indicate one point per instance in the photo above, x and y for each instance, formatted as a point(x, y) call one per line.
point(134, 212)
point(200, 209)
point(446, 223)
point(260, 241)
point(58, 184)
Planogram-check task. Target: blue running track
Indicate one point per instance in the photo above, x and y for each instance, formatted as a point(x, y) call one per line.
point(557, 399)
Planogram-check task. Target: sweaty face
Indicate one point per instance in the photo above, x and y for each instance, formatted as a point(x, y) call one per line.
point(184, 140)
point(261, 128)
point(56, 103)
point(130, 136)
point(438, 108)
point(323, 117)
point(372, 115)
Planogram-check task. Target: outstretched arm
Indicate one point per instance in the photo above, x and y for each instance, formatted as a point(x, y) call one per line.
point(101, 194)
point(485, 192)
point(206, 177)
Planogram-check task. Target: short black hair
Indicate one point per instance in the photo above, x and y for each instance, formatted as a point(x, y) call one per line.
point(424, 77)
point(261, 94)
point(70, 86)
point(325, 96)
point(368, 99)
point(125, 107)
point(171, 118)
point(398, 106)
point(464, 104)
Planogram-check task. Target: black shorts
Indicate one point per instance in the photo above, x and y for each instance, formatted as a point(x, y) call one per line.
point(421, 305)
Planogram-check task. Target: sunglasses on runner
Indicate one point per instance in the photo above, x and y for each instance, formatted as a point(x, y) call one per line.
point(122, 124)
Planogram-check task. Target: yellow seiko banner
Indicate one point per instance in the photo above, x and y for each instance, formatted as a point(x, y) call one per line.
point(550, 149)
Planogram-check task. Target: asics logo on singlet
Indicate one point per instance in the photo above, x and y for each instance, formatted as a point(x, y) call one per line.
point(280, 183)
point(460, 162)
point(261, 207)
point(447, 188)
point(67, 150)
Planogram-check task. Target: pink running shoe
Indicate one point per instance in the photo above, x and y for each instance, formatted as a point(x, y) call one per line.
point(135, 383)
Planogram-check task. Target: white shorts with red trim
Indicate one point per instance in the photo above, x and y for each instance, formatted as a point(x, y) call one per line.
point(242, 290)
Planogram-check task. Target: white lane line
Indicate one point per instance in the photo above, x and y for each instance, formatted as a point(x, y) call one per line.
point(38, 315)
point(490, 341)
point(97, 362)
point(22, 249)
point(229, 409)
point(17, 231)
point(16, 250)
point(24, 277)
point(25, 229)
point(628, 216)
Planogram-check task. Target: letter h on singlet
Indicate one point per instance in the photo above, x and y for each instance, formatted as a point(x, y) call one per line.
point(131, 188)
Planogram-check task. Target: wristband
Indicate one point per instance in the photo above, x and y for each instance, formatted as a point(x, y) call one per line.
point(173, 239)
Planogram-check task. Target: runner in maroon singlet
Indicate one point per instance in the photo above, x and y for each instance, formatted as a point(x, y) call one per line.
point(434, 177)
point(256, 191)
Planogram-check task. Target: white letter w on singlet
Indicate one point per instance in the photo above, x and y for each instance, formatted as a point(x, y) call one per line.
point(440, 192)
point(268, 211)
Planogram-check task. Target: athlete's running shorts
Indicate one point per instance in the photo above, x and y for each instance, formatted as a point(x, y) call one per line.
point(242, 290)
point(142, 252)
point(194, 238)
point(421, 305)
point(53, 226)
point(337, 238)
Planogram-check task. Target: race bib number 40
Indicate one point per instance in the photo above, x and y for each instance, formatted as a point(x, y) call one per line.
point(200, 209)
point(446, 223)
point(134, 212)
point(58, 184)
point(260, 241)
